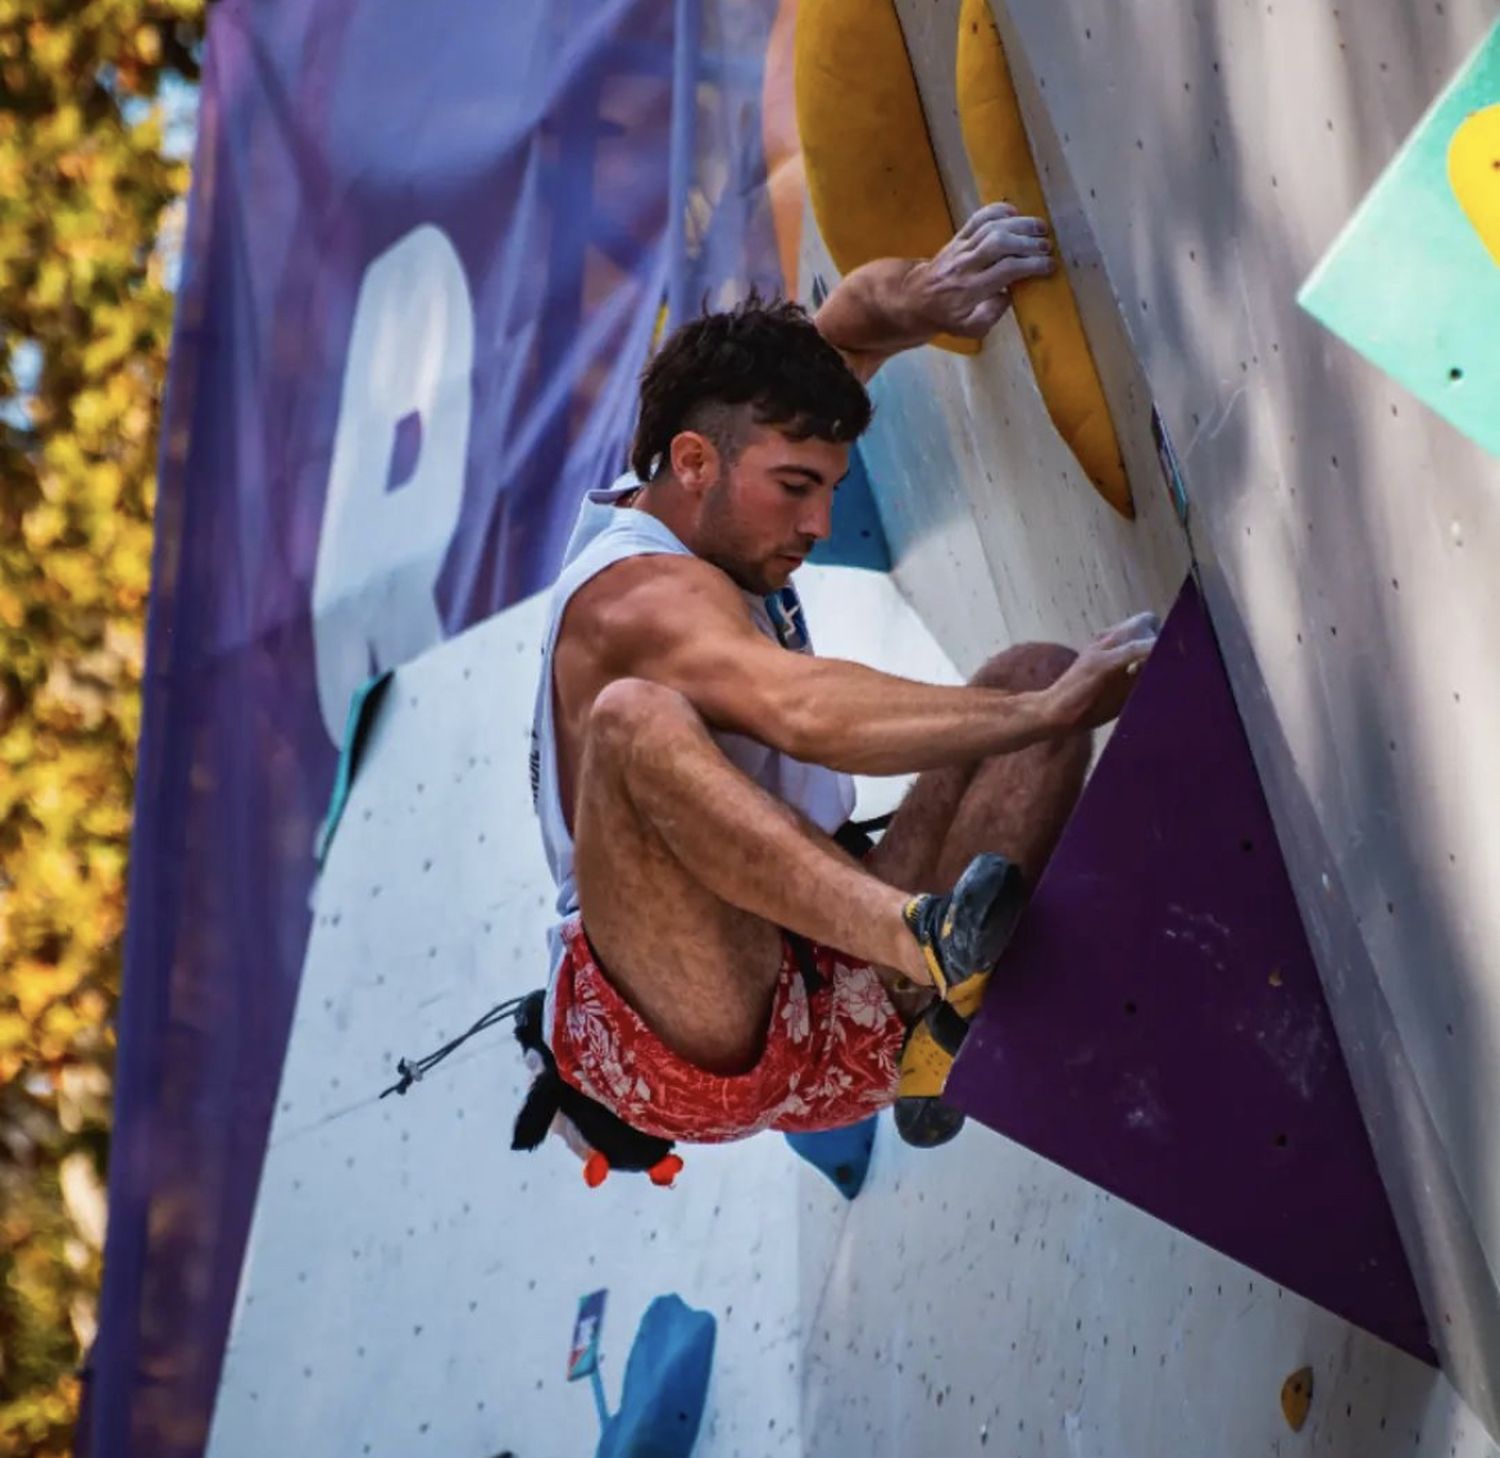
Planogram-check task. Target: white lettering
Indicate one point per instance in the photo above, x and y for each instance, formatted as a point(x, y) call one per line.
point(396, 483)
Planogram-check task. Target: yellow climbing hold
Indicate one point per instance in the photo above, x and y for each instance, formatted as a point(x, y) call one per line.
point(1474, 174)
point(871, 174)
point(1000, 154)
point(1296, 1398)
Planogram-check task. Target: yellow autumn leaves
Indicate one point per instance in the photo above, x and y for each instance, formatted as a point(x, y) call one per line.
point(86, 189)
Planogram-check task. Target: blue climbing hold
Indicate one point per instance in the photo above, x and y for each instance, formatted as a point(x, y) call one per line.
point(666, 1384)
point(841, 1154)
point(857, 538)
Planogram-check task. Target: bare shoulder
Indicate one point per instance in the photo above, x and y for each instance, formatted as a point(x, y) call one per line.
point(682, 623)
point(656, 594)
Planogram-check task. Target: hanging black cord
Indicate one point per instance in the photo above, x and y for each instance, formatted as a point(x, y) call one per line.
point(411, 1071)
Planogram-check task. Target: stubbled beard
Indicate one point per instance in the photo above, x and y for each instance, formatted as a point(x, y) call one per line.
point(718, 522)
point(743, 575)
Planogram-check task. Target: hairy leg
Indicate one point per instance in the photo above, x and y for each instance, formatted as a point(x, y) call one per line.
point(1015, 804)
point(687, 870)
point(909, 851)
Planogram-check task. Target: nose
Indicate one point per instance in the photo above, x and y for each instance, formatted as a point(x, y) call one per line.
point(816, 521)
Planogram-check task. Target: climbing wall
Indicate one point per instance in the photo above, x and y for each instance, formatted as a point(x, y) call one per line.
point(1200, 160)
point(411, 1284)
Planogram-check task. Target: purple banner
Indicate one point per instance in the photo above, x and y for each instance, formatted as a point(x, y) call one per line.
point(427, 252)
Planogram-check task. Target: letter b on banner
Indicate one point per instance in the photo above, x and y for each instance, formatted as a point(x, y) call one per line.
point(396, 484)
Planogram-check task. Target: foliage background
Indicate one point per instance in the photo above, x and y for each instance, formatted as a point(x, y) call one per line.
point(93, 171)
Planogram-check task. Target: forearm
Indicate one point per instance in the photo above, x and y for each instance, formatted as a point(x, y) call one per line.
point(857, 720)
point(684, 625)
point(874, 313)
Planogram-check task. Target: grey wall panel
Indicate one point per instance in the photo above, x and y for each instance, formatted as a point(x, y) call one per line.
point(984, 1302)
point(1348, 536)
point(1444, 1245)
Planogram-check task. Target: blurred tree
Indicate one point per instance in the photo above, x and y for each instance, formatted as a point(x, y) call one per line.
point(91, 188)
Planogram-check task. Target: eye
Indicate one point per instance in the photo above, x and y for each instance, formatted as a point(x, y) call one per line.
point(796, 489)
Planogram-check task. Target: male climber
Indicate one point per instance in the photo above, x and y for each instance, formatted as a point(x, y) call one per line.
point(723, 964)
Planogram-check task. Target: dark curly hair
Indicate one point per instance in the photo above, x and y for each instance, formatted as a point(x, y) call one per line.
point(768, 355)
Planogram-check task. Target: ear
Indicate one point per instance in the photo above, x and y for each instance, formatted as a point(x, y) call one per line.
point(694, 460)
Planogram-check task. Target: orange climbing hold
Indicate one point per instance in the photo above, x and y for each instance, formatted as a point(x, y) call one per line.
point(1296, 1398)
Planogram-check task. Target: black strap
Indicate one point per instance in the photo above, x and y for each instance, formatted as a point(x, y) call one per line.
point(812, 979)
point(858, 836)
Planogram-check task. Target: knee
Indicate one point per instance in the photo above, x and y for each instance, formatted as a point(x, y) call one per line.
point(1045, 663)
point(629, 708)
point(1026, 666)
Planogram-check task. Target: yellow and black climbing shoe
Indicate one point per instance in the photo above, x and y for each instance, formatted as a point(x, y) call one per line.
point(922, 1118)
point(963, 933)
point(962, 936)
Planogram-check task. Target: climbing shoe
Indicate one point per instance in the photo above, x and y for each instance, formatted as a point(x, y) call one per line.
point(962, 936)
point(932, 1043)
point(963, 933)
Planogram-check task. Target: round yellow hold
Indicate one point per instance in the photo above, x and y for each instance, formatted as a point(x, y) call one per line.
point(871, 174)
point(1474, 174)
point(1046, 310)
point(1296, 1398)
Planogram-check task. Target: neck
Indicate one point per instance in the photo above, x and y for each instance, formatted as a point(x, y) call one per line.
point(670, 505)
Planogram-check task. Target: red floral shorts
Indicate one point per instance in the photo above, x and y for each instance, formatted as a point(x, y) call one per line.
point(831, 1057)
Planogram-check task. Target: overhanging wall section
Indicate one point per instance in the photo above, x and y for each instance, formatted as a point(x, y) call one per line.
point(1346, 536)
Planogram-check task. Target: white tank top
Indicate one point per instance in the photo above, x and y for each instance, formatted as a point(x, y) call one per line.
point(604, 534)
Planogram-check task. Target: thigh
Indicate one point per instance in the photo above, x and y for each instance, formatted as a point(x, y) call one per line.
point(1017, 805)
point(911, 853)
point(700, 972)
point(1014, 804)
point(908, 853)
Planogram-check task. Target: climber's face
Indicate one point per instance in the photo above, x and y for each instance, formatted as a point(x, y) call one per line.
point(765, 505)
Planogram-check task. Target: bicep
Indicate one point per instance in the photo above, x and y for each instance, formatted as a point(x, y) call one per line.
point(687, 628)
point(747, 685)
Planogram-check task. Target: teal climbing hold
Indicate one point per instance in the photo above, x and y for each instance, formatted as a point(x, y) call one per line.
point(364, 704)
point(1430, 222)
